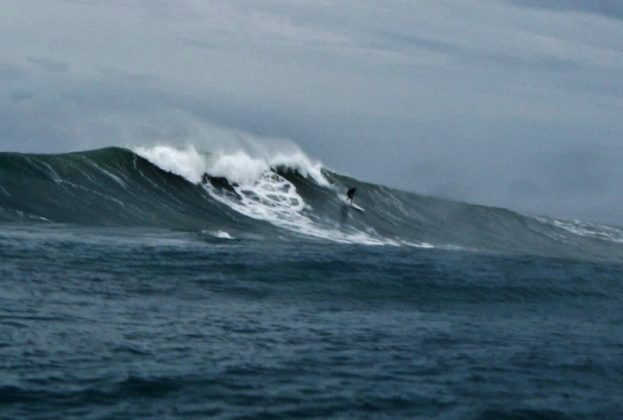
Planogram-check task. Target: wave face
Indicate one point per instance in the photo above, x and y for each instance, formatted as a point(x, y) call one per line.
point(238, 195)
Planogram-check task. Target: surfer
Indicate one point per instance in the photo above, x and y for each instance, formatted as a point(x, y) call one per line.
point(350, 194)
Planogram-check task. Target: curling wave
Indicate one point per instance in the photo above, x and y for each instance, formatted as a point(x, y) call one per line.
point(279, 195)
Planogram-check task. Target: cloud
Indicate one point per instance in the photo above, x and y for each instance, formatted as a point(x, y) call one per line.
point(412, 44)
point(609, 8)
point(11, 72)
point(18, 96)
point(52, 66)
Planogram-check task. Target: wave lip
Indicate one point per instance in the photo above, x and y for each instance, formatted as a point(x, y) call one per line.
point(271, 195)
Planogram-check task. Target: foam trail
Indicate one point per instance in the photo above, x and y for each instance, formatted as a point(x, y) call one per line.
point(106, 172)
point(588, 230)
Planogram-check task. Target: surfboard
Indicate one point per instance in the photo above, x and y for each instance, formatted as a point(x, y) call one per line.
point(352, 205)
point(356, 207)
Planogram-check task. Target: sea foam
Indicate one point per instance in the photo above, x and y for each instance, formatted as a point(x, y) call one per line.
point(237, 166)
point(261, 193)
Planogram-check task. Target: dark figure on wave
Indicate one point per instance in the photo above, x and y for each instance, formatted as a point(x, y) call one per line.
point(350, 194)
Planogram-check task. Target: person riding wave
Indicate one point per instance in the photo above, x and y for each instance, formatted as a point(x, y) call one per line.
point(350, 194)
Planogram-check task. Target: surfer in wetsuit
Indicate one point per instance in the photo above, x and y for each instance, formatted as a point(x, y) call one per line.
point(350, 194)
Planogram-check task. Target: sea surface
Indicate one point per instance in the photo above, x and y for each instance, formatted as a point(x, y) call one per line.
point(133, 286)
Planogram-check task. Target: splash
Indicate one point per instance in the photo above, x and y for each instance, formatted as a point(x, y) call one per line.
point(261, 193)
point(187, 162)
point(237, 166)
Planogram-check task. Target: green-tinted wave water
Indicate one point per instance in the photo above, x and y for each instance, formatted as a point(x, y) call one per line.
point(118, 187)
point(107, 187)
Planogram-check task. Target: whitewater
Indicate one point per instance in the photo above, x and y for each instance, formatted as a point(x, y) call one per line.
point(188, 282)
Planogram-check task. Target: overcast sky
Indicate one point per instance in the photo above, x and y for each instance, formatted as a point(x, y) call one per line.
point(513, 103)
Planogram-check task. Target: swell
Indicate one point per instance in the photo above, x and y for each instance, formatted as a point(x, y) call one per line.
point(118, 187)
point(110, 186)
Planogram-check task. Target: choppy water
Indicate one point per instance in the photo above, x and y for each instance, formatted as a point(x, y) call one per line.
point(108, 322)
point(168, 283)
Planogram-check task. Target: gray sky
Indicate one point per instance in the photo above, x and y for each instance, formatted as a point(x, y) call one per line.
point(514, 103)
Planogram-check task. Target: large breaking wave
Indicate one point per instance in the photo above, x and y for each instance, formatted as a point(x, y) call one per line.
point(242, 194)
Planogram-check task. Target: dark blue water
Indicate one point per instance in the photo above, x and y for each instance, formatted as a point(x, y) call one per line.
point(115, 322)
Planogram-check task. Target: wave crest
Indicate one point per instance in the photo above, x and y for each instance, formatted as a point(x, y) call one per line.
point(237, 166)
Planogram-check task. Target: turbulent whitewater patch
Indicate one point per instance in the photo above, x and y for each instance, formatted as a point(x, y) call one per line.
point(238, 166)
point(259, 192)
point(187, 162)
point(218, 234)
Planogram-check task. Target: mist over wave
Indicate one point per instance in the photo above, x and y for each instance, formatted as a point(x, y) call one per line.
point(277, 192)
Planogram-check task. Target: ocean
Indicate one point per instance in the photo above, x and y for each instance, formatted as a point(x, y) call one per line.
point(173, 283)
